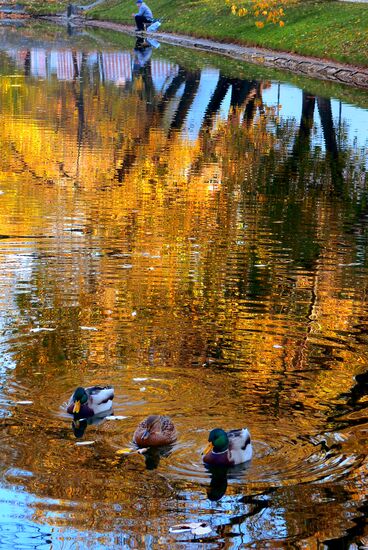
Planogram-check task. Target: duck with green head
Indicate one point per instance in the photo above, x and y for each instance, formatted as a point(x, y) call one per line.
point(228, 448)
point(87, 402)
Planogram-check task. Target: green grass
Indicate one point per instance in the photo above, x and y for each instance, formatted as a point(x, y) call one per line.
point(49, 7)
point(43, 8)
point(325, 29)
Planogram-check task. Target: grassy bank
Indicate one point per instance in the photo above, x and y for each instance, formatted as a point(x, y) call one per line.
point(326, 29)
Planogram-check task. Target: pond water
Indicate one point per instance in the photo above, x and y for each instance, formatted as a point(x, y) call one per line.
point(193, 231)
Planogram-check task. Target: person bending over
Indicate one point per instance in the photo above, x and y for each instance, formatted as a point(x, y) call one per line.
point(143, 16)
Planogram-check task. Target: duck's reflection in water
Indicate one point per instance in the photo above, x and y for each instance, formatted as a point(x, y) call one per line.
point(79, 425)
point(153, 455)
point(219, 479)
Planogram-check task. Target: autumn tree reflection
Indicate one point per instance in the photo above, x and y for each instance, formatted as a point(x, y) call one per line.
point(199, 240)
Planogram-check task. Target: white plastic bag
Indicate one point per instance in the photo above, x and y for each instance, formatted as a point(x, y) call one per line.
point(154, 26)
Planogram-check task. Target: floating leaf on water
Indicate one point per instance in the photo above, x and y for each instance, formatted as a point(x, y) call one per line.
point(88, 328)
point(117, 417)
point(145, 378)
point(82, 443)
point(197, 528)
point(202, 530)
point(142, 450)
point(41, 329)
point(196, 524)
point(25, 402)
point(181, 528)
point(124, 451)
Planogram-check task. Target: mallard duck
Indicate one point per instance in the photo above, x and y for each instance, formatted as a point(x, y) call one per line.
point(155, 430)
point(228, 448)
point(87, 402)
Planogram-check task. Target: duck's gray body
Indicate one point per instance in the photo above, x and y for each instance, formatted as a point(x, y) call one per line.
point(98, 400)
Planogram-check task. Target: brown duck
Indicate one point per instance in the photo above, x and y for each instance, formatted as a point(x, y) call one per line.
point(155, 431)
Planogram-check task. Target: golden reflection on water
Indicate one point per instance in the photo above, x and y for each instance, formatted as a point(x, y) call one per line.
point(216, 275)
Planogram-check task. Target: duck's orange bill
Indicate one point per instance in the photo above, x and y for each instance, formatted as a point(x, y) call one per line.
point(76, 408)
point(208, 449)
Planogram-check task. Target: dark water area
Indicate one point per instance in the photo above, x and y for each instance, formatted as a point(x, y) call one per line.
point(193, 231)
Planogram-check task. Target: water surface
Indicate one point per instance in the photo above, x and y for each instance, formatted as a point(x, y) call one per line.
point(193, 232)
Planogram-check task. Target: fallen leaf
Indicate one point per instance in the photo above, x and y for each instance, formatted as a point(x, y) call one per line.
point(181, 528)
point(197, 524)
point(196, 528)
point(124, 451)
point(202, 530)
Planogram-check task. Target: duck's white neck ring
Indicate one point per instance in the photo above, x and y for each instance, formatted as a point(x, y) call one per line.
point(220, 452)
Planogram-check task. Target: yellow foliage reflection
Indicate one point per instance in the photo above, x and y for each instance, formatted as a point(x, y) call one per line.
point(195, 242)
